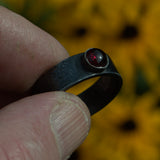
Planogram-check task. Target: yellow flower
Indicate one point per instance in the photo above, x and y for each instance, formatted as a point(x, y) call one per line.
point(129, 32)
point(124, 131)
point(73, 31)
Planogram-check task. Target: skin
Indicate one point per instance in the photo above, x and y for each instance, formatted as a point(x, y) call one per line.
point(47, 126)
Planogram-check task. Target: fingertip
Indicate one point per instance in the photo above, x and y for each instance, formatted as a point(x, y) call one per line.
point(26, 52)
point(57, 122)
point(70, 123)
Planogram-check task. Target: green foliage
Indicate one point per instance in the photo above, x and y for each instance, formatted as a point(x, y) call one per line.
point(141, 82)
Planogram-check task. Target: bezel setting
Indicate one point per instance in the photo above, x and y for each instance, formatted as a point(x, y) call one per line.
point(95, 59)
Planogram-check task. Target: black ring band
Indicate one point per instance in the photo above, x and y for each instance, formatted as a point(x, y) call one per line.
point(94, 62)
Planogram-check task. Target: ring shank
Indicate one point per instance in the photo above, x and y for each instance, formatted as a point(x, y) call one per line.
point(72, 71)
point(100, 94)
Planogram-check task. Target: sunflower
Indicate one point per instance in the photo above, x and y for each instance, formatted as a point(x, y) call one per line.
point(125, 131)
point(131, 36)
point(73, 30)
point(128, 32)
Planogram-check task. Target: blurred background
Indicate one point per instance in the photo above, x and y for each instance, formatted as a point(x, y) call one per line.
point(129, 31)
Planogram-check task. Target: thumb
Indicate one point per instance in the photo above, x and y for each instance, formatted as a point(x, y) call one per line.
point(47, 126)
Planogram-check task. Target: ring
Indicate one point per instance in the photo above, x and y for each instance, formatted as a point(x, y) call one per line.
point(75, 69)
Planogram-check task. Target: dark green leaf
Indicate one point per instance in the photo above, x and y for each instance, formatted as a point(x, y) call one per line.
point(141, 83)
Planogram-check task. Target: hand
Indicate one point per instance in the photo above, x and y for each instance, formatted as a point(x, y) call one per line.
point(48, 126)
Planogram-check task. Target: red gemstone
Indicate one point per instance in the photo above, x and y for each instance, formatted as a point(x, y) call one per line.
point(96, 57)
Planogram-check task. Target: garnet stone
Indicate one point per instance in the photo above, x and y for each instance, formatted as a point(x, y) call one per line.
point(96, 57)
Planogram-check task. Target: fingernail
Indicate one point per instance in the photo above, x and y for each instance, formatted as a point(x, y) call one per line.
point(70, 125)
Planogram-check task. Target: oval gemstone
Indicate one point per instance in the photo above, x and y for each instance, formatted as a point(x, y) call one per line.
point(96, 57)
